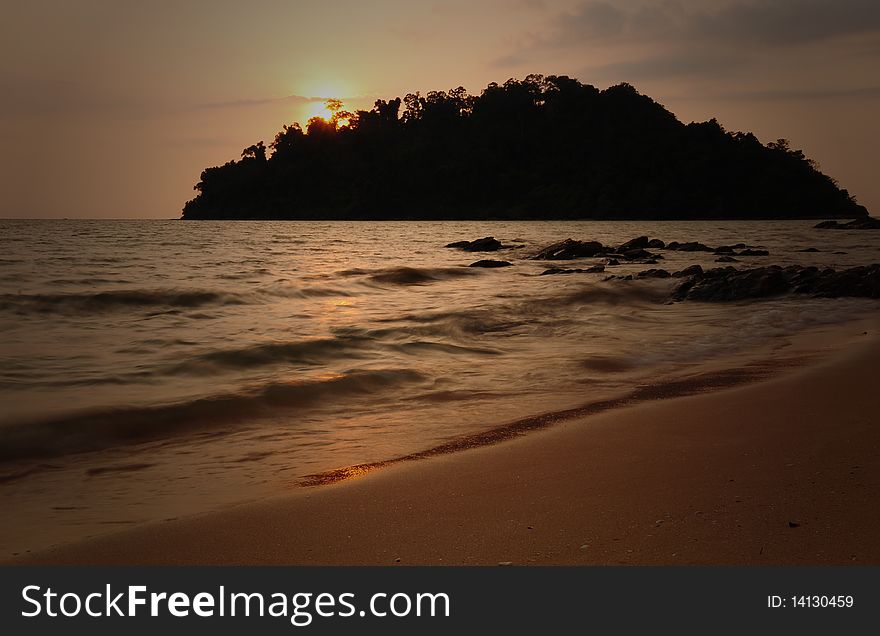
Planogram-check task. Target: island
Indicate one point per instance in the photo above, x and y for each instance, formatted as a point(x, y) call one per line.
point(545, 147)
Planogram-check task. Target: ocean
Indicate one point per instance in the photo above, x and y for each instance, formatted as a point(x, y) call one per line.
point(153, 369)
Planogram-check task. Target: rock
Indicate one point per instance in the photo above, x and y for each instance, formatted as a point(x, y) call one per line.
point(490, 263)
point(725, 249)
point(656, 244)
point(693, 270)
point(636, 243)
point(612, 261)
point(809, 249)
point(728, 283)
point(485, 244)
point(727, 259)
point(638, 253)
point(793, 524)
point(570, 249)
point(754, 253)
point(866, 223)
point(654, 273)
point(595, 269)
point(689, 247)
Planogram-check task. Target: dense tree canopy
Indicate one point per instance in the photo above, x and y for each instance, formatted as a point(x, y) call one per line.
point(539, 148)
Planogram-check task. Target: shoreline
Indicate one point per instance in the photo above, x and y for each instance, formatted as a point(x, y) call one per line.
point(750, 474)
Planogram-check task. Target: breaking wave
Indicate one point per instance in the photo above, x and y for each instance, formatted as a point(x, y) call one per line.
point(114, 300)
point(99, 429)
point(417, 276)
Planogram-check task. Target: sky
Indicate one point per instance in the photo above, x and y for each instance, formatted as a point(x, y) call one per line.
point(112, 108)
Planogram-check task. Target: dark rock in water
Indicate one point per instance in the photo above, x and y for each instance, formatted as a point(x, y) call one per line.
point(866, 223)
point(729, 284)
point(693, 270)
point(612, 261)
point(727, 259)
point(724, 249)
point(862, 282)
point(570, 249)
point(637, 253)
point(841, 253)
point(596, 269)
point(754, 253)
point(656, 244)
point(809, 249)
point(490, 263)
point(689, 247)
point(636, 243)
point(654, 273)
point(485, 244)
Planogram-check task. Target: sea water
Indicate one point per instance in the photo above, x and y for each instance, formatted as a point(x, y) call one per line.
point(150, 369)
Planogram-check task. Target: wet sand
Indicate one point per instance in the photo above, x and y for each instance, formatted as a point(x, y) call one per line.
point(783, 471)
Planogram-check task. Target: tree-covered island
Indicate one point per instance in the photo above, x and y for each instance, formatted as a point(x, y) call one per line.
point(539, 148)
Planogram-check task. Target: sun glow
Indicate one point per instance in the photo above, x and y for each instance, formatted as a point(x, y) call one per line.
point(327, 109)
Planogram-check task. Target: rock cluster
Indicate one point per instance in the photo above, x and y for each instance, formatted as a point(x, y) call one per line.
point(723, 284)
point(637, 250)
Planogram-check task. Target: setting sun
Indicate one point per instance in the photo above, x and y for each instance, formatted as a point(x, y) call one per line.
point(326, 109)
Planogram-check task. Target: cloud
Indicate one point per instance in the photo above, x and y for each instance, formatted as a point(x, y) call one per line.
point(666, 65)
point(865, 92)
point(645, 39)
point(511, 59)
point(247, 103)
point(786, 22)
point(772, 22)
point(26, 97)
point(592, 20)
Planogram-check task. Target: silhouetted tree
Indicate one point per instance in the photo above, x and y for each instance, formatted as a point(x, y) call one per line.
point(257, 151)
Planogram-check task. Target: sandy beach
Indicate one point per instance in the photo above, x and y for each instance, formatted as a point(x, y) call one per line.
point(782, 471)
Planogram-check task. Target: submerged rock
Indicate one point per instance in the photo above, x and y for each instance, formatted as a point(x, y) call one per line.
point(866, 223)
point(751, 252)
point(570, 249)
point(485, 244)
point(689, 247)
point(596, 269)
point(654, 273)
point(639, 253)
point(490, 263)
point(727, 259)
